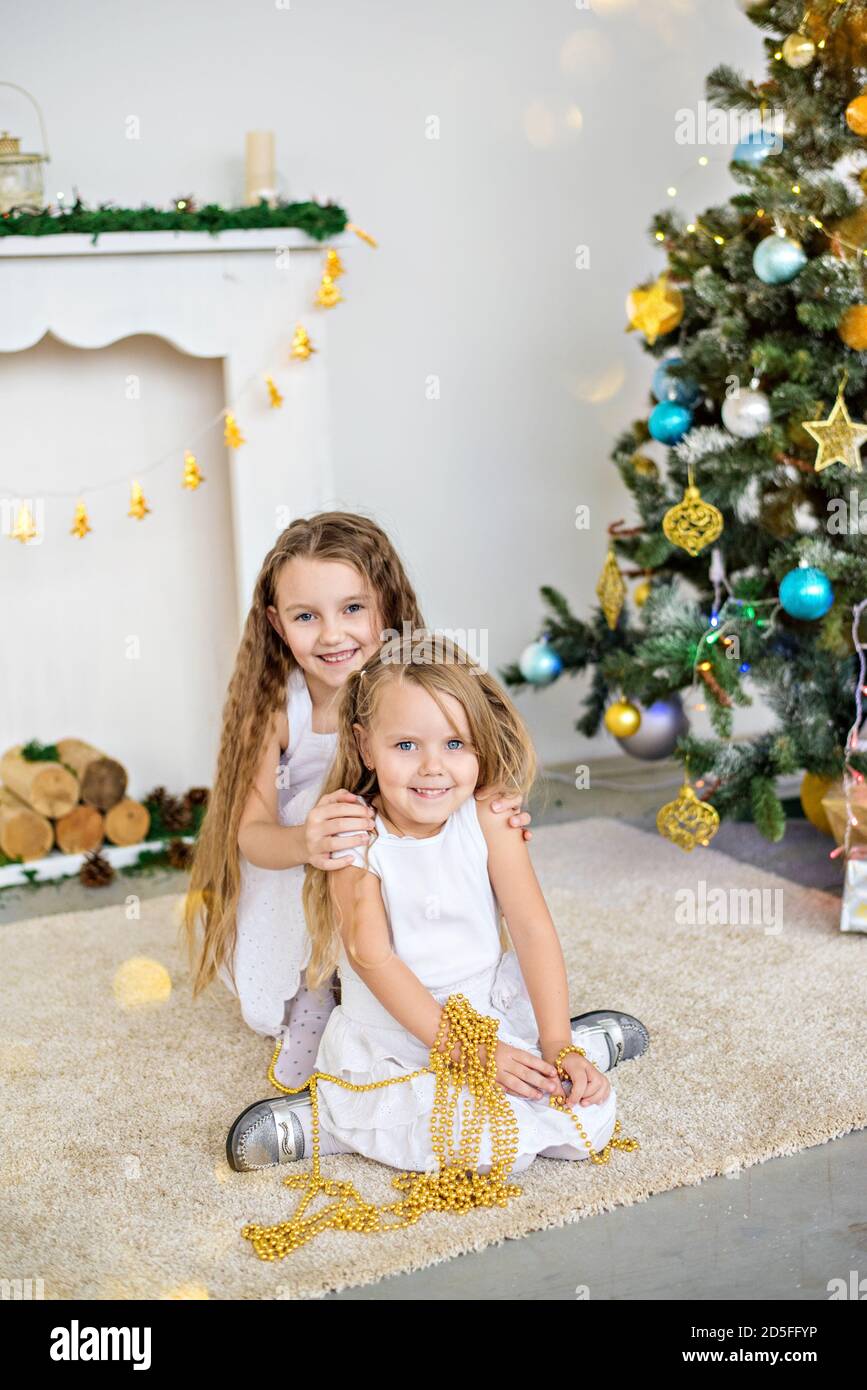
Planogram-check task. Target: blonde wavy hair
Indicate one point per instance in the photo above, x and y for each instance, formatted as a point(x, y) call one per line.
point(500, 738)
point(258, 688)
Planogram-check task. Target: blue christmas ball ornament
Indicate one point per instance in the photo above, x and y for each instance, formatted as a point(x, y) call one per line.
point(672, 388)
point(778, 259)
point(539, 663)
point(806, 593)
point(755, 148)
point(669, 422)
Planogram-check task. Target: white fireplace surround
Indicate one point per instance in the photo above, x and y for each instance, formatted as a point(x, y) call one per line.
point(236, 296)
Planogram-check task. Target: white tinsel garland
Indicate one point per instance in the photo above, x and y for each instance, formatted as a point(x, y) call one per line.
point(706, 439)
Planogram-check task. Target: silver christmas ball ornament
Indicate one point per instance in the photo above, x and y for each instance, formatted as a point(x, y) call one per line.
point(662, 724)
point(746, 413)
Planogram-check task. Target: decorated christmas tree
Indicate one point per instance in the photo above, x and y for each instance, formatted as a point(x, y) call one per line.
point(749, 548)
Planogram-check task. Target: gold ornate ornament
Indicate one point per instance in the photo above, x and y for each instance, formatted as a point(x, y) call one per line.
point(687, 821)
point(456, 1185)
point(693, 523)
point(611, 589)
point(838, 438)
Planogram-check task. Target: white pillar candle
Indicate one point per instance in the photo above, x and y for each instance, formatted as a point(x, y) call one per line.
point(260, 165)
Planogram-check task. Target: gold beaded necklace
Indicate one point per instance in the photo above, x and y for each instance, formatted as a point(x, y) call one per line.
point(457, 1185)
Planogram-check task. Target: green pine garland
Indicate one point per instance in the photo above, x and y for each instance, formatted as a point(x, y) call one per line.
point(318, 220)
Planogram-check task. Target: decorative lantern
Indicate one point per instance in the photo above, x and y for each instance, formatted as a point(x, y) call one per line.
point(21, 185)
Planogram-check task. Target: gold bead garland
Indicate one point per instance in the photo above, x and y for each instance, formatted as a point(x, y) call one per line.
point(457, 1185)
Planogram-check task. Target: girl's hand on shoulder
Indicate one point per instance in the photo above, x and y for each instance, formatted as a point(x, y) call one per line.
point(336, 813)
point(507, 802)
point(590, 1086)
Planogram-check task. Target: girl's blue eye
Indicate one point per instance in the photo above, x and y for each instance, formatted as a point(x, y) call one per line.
point(310, 615)
point(458, 741)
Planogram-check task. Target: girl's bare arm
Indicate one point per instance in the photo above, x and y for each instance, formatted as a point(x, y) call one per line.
point(531, 928)
point(261, 838)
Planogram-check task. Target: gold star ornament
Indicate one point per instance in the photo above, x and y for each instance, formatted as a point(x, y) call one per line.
point(838, 438)
point(655, 311)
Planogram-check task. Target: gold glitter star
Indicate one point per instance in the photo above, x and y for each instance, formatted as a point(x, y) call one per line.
point(839, 440)
point(655, 311)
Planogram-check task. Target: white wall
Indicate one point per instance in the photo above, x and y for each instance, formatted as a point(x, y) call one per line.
point(124, 638)
point(556, 129)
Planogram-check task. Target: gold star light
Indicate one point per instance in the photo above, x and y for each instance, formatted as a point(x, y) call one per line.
point(839, 440)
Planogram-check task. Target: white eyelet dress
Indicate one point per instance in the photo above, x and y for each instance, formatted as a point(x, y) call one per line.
point(273, 943)
point(444, 923)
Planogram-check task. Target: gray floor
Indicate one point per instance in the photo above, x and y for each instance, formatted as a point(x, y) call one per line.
point(777, 1230)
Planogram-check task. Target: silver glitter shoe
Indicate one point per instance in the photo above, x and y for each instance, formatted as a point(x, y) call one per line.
point(626, 1036)
point(266, 1133)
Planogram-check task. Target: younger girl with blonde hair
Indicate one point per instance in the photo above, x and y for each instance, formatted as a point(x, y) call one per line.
point(415, 918)
point(328, 589)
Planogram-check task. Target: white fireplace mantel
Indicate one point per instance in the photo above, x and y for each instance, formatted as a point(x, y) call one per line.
point(236, 295)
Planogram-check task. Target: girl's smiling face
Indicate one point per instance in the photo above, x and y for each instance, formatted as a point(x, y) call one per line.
point(327, 616)
point(425, 763)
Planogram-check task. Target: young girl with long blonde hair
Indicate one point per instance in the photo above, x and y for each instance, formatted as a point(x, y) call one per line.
point(328, 590)
point(415, 918)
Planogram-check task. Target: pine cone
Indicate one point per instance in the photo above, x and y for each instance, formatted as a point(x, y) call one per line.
point(175, 814)
point(197, 796)
point(96, 871)
point(180, 854)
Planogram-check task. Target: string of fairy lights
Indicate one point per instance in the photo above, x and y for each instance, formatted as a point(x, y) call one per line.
point(301, 348)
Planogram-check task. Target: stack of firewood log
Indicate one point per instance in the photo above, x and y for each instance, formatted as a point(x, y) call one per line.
point(76, 802)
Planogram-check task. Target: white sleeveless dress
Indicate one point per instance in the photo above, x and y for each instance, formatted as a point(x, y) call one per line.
point(444, 923)
point(273, 944)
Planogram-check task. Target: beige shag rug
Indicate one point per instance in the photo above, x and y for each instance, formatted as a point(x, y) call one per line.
point(114, 1181)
